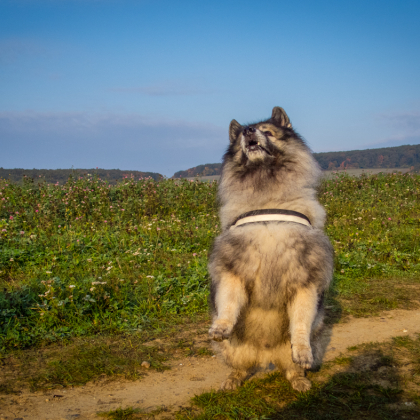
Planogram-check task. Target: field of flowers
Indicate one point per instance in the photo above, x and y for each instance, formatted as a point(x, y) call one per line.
point(86, 257)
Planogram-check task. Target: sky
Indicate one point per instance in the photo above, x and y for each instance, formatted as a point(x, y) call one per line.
point(152, 85)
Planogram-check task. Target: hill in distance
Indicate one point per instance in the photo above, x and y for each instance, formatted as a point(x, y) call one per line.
point(61, 176)
point(387, 157)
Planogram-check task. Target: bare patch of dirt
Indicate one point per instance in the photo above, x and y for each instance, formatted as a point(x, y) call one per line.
point(171, 389)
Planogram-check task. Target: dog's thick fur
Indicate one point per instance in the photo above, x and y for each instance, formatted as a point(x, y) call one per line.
point(269, 278)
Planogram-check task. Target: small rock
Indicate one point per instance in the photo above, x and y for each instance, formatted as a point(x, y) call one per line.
point(47, 400)
point(145, 364)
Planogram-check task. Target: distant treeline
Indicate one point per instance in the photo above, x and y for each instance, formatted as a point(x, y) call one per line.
point(200, 170)
point(387, 157)
point(61, 176)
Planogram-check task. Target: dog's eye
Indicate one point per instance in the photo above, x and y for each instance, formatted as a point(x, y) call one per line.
point(268, 133)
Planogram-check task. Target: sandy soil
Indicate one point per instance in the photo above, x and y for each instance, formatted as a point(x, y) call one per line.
point(189, 376)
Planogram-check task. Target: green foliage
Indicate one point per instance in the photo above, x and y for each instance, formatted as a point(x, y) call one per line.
point(77, 365)
point(344, 396)
point(121, 414)
point(373, 222)
point(388, 157)
point(380, 390)
point(63, 175)
point(87, 258)
point(200, 170)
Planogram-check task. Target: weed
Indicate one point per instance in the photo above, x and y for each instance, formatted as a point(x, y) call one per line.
point(80, 360)
point(121, 414)
point(204, 352)
point(88, 258)
point(363, 386)
point(343, 360)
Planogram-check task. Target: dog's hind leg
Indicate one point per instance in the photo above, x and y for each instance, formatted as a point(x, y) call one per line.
point(294, 373)
point(302, 312)
point(229, 300)
point(296, 376)
point(234, 380)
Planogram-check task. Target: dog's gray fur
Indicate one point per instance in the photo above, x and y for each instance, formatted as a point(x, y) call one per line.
point(269, 278)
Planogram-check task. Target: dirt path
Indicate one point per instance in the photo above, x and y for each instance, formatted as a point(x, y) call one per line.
point(188, 376)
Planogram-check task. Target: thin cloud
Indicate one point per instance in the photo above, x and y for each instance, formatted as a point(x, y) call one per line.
point(405, 128)
point(59, 140)
point(394, 141)
point(13, 49)
point(165, 89)
point(403, 120)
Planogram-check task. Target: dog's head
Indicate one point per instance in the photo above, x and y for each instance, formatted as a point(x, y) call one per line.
point(268, 143)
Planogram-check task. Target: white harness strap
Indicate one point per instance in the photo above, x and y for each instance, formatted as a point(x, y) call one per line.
point(271, 215)
point(271, 218)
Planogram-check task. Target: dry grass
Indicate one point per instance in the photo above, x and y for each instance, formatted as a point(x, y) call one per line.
point(375, 381)
point(78, 361)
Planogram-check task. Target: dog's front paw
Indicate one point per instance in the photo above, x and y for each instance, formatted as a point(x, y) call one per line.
point(220, 330)
point(302, 355)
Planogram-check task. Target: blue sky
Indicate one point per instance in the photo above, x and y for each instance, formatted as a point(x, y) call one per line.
point(152, 85)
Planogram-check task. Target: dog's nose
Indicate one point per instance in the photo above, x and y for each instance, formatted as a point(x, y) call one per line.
point(248, 131)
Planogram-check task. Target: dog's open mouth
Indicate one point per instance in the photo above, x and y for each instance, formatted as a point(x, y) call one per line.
point(255, 146)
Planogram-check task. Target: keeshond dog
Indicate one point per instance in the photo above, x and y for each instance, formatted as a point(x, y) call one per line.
point(272, 263)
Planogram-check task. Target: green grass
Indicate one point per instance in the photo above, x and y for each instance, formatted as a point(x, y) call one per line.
point(122, 414)
point(101, 358)
point(77, 364)
point(87, 259)
point(379, 381)
point(372, 382)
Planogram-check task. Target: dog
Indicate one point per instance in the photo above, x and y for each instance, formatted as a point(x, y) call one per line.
point(272, 263)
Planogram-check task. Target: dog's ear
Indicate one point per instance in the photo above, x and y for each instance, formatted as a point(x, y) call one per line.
point(279, 117)
point(234, 129)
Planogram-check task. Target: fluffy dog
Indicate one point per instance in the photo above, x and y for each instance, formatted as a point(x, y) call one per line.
point(272, 262)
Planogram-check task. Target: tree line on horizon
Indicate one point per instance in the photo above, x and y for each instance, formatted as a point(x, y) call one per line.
point(387, 157)
point(52, 176)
